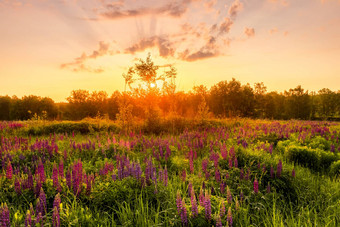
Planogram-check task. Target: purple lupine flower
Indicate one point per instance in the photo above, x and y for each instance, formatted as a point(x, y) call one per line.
point(28, 219)
point(68, 179)
point(61, 169)
point(17, 186)
point(184, 215)
point(165, 175)
point(9, 171)
point(191, 163)
point(229, 218)
point(235, 163)
point(241, 174)
point(256, 186)
point(207, 206)
point(55, 217)
point(229, 196)
point(293, 172)
point(41, 172)
point(271, 172)
point(222, 210)
point(39, 219)
point(218, 221)
point(189, 189)
point(56, 202)
point(279, 168)
point(4, 216)
point(56, 184)
point(222, 187)
point(217, 175)
point(179, 203)
point(184, 175)
point(42, 202)
point(194, 208)
point(230, 163)
point(204, 165)
point(201, 198)
point(268, 188)
point(30, 180)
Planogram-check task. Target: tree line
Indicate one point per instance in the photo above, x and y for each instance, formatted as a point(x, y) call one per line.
point(150, 95)
point(224, 99)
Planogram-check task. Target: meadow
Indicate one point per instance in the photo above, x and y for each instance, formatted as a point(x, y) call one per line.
point(233, 172)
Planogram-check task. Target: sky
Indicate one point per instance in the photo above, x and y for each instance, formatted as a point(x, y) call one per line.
point(51, 47)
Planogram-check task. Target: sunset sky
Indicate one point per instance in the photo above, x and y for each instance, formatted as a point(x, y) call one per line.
point(51, 47)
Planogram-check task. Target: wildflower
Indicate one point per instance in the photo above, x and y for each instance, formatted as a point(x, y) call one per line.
point(55, 178)
point(184, 215)
point(229, 218)
point(279, 168)
point(271, 172)
point(41, 204)
point(229, 196)
point(194, 208)
point(61, 169)
point(293, 172)
point(41, 172)
point(4, 216)
point(56, 202)
point(201, 198)
point(178, 203)
point(256, 186)
point(55, 217)
point(9, 171)
point(222, 210)
point(218, 221)
point(207, 206)
point(17, 186)
point(28, 219)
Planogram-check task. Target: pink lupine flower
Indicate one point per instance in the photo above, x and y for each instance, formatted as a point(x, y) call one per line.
point(9, 171)
point(207, 206)
point(293, 172)
point(17, 186)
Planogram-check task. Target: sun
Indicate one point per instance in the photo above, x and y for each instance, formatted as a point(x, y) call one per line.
point(152, 85)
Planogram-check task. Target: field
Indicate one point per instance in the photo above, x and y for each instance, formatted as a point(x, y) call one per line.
point(226, 173)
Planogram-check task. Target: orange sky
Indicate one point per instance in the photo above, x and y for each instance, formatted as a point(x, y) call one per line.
point(51, 47)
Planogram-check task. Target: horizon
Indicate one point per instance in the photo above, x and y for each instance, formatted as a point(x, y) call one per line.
point(282, 43)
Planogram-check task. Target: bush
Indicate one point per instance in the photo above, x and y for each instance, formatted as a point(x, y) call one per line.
point(315, 159)
point(335, 168)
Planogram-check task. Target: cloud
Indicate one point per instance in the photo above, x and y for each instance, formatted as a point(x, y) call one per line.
point(121, 10)
point(209, 50)
point(78, 63)
point(162, 43)
point(250, 32)
point(226, 25)
point(235, 8)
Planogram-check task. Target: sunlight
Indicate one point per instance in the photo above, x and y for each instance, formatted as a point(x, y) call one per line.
point(152, 85)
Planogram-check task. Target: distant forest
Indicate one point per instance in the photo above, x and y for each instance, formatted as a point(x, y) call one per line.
point(149, 95)
point(224, 99)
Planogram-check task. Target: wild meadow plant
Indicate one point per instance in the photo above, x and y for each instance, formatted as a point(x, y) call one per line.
point(218, 176)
